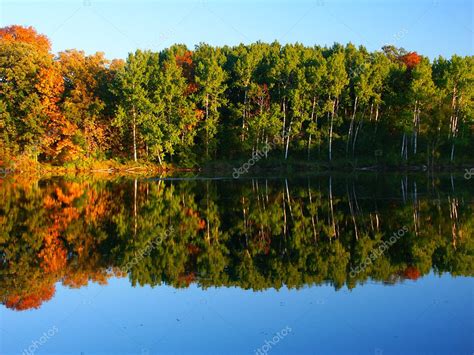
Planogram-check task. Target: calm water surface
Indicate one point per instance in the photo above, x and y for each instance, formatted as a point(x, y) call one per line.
point(360, 264)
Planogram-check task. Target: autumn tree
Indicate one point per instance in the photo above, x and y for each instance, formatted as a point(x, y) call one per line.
point(82, 103)
point(28, 35)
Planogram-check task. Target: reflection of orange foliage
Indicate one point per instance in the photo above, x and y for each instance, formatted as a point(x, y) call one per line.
point(53, 254)
point(191, 213)
point(201, 224)
point(68, 252)
point(74, 190)
point(96, 206)
point(412, 273)
point(78, 279)
point(28, 35)
point(262, 241)
point(199, 114)
point(186, 279)
point(193, 249)
point(32, 300)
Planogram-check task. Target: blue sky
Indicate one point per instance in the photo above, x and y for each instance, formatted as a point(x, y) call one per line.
point(431, 27)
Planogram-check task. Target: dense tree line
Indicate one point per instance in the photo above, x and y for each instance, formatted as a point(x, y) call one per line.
point(255, 234)
point(181, 106)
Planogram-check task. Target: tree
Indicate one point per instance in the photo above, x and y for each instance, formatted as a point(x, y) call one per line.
point(171, 127)
point(59, 145)
point(411, 59)
point(21, 106)
point(460, 85)
point(422, 94)
point(336, 80)
point(82, 105)
point(315, 72)
point(209, 77)
point(134, 106)
point(15, 33)
point(179, 106)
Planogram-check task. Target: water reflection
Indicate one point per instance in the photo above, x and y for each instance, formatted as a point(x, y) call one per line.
point(254, 234)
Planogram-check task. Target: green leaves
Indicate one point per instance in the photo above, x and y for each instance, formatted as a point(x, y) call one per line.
point(184, 107)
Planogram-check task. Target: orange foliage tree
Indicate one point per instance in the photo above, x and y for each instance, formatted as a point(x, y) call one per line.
point(29, 35)
point(185, 61)
point(60, 131)
point(82, 105)
point(411, 59)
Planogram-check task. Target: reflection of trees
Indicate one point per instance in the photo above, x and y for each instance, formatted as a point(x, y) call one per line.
point(48, 235)
point(257, 235)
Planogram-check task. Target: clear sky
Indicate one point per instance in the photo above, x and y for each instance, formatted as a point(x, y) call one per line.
point(431, 27)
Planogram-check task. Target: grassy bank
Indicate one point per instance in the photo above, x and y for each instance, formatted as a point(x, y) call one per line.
point(240, 167)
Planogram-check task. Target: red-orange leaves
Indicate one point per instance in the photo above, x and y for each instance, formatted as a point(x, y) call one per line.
point(29, 35)
point(53, 255)
point(31, 300)
point(411, 59)
point(50, 86)
point(412, 273)
point(185, 61)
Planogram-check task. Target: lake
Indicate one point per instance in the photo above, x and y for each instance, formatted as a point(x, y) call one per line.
point(323, 264)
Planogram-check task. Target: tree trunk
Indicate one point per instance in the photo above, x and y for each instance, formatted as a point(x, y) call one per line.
point(453, 122)
point(356, 134)
point(309, 144)
point(159, 159)
point(134, 128)
point(331, 129)
point(288, 141)
point(402, 152)
point(351, 126)
point(284, 119)
point(135, 209)
point(244, 114)
point(415, 127)
point(207, 128)
point(266, 145)
point(311, 120)
point(333, 222)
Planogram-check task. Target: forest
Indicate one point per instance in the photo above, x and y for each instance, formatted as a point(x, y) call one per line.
point(253, 234)
point(183, 107)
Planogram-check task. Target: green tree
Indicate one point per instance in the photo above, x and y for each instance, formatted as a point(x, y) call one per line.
point(135, 106)
point(336, 80)
point(210, 77)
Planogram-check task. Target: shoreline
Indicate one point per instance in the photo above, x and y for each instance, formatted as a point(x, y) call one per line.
point(226, 168)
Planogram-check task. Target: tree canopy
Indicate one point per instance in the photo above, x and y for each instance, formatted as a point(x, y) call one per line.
point(188, 106)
